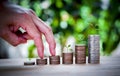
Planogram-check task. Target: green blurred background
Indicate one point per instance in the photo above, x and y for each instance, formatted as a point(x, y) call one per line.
point(79, 18)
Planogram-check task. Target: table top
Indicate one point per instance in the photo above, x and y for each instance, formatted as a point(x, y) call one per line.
point(109, 66)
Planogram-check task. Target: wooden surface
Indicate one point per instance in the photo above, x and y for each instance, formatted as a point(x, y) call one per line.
point(109, 66)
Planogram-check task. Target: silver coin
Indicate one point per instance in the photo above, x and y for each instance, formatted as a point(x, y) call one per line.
point(94, 61)
point(94, 56)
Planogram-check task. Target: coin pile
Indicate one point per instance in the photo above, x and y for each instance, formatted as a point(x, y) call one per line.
point(67, 58)
point(41, 61)
point(93, 49)
point(80, 54)
point(54, 59)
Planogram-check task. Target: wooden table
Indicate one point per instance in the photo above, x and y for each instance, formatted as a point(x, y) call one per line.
point(109, 66)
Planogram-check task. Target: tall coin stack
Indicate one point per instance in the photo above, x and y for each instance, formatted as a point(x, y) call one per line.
point(93, 49)
point(80, 54)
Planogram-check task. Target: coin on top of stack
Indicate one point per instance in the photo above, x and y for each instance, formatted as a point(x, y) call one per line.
point(93, 49)
point(54, 59)
point(41, 61)
point(80, 47)
point(80, 53)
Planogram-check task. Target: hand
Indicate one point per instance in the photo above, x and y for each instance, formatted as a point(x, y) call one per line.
point(13, 17)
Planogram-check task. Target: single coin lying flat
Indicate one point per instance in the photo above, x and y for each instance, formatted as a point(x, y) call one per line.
point(29, 63)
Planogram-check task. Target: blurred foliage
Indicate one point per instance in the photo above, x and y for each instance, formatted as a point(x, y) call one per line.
point(80, 18)
point(30, 51)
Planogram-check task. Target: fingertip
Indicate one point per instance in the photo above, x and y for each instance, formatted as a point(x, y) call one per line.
point(40, 53)
point(39, 45)
point(52, 46)
point(52, 51)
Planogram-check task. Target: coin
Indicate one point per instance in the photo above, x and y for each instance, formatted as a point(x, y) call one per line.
point(78, 58)
point(80, 47)
point(94, 61)
point(54, 59)
point(80, 61)
point(94, 56)
point(41, 61)
point(80, 52)
point(29, 63)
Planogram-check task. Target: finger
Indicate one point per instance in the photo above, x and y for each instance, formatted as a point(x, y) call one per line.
point(33, 33)
point(46, 31)
point(28, 25)
point(39, 45)
point(48, 34)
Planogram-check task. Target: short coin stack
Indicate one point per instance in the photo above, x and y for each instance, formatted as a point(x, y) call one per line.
point(54, 59)
point(67, 58)
point(80, 54)
point(41, 61)
point(93, 49)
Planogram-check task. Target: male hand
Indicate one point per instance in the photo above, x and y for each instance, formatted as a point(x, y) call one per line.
point(13, 17)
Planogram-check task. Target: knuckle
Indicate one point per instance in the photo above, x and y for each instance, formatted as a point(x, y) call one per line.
point(49, 29)
point(15, 44)
point(25, 15)
point(53, 45)
point(31, 11)
point(37, 36)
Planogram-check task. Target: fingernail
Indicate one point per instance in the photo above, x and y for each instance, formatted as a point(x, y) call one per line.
point(41, 57)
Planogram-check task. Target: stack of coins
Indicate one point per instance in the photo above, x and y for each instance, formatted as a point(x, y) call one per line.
point(93, 49)
point(80, 54)
point(41, 61)
point(67, 58)
point(54, 59)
